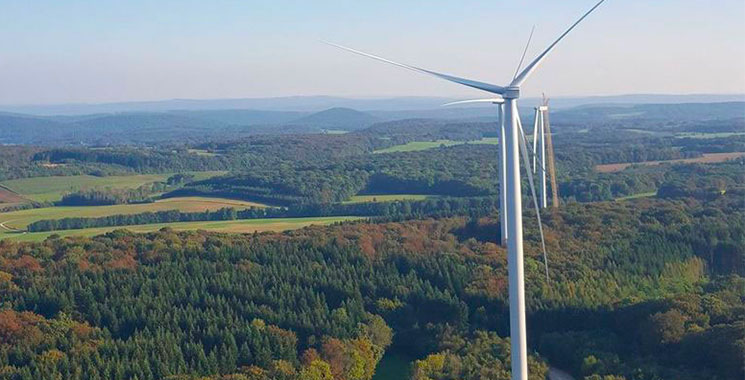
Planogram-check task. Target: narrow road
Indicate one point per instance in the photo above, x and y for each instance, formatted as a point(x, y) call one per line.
point(557, 374)
point(11, 229)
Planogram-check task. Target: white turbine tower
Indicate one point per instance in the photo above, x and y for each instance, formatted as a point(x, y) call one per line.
point(514, 142)
point(539, 152)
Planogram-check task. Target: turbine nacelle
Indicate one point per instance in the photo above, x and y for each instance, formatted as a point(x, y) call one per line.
point(512, 92)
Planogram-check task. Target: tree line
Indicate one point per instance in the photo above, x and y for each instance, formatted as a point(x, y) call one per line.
point(439, 207)
point(108, 196)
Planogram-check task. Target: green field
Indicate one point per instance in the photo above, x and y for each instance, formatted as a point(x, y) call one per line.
point(643, 131)
point(424, 145)
point(50, 189)
point(232, 226)
point(387, 198)
point(22, 218)
point(700, 135)
point(202, 152)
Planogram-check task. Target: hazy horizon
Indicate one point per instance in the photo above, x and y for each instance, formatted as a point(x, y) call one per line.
point(107, 52)
point(375, 97)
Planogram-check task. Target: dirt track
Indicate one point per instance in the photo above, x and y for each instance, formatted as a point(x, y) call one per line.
point(11, 229)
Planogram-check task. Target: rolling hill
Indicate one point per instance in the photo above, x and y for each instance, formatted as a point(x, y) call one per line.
point(242, 116)
point(188, 126)
point(345, 119)
point(25, 129)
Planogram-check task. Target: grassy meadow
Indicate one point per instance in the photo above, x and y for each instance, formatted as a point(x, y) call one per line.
point(50, 189)
point(20, 219)
point(387, 198)
point(708, 135)
point(232, 226)
point(202, 152)
point(424, 145)
point(706, 158)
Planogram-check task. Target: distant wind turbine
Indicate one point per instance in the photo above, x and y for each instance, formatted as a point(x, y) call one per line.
point(514, 143)
point(543, 155)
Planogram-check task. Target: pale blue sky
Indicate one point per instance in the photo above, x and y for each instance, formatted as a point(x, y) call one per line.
point(100, 51)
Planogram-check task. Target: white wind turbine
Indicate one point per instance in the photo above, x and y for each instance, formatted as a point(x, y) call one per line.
point(513, 138)
point(539, 151)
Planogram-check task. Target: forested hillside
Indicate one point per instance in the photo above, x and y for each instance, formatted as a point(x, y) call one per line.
point(156, 125)
point(320, 168)
point(635, 291)
point(646, 256)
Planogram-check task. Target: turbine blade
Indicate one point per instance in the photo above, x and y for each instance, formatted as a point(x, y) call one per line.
point(526, 161)
point(535, 141)
point(493, 101)
point(494, 89)
point(525, 51)
point(534, 65)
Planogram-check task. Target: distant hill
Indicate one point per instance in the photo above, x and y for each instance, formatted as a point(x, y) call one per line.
point(145, 121)
point(310, 104)
point(345, 119)
point(139, 128)
point(24, 129)
point(652, 112)
point(638, 99)
point(186, 126)
point(144, 128)
point(242, 117)
point(306, 104)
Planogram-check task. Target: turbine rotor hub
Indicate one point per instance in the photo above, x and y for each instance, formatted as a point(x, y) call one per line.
point(511, 92)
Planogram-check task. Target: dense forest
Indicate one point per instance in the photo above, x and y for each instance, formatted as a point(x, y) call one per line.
point(308, 169)
point(326, 302)
point(646, 264)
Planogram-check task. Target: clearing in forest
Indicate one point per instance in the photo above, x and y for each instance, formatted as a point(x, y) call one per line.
point(387, 198)
point(232, 226)
point(50, 189)
point(22, 218)
point(707, 158)
point(424, 145)
point(708, 135)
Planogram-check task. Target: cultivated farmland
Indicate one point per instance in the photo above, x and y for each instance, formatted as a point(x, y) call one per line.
point(387, 198)
point(424, 145)
point(20, 219)
point(50, 189)
point(707, 158)
point(233, 226)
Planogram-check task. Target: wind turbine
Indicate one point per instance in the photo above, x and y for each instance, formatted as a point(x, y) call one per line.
point(502, 164)
point(514, 143)
point(551, 158)
point(539, 151)
point(543, 154)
